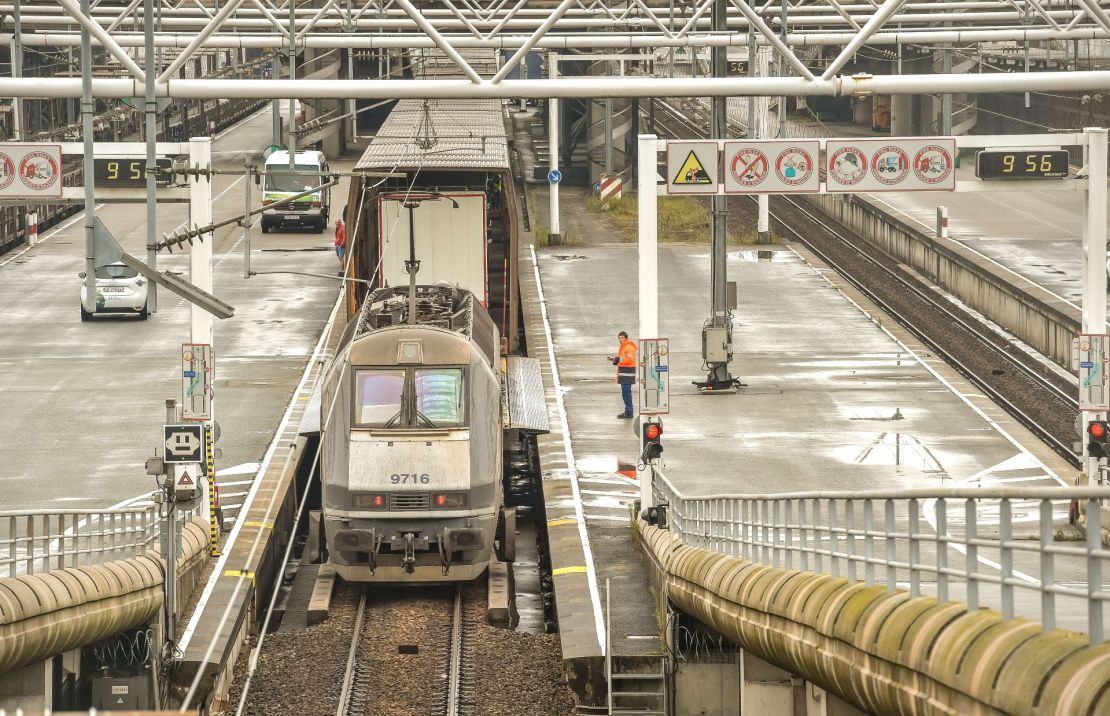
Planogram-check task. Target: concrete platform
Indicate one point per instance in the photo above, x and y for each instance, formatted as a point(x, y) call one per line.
point(837, 397)
point(84, 401)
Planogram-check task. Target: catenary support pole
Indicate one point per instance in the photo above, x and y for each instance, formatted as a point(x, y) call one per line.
point(247, 217)
point(555, 237)
point(1094, 254)
point(719, 377)
point(151, 109)
point(200, 254)
point(648, 228)
point(87, 111)
point(292, 75)
point(168, 542)
point(17, 71)
point(275, 106)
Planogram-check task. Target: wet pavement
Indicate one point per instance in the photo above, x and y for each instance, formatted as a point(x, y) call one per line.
point(83, 402)
point(837, 396)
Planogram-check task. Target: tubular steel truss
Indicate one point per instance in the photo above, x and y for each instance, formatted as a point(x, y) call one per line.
point(814, 40)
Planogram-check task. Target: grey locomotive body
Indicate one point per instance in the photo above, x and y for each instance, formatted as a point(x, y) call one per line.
point(412, 440)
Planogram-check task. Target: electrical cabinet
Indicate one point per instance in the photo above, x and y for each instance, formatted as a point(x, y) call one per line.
point(715, 345)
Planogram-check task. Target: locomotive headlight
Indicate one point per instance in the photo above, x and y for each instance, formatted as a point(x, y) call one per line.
point(450, 500)
point(370, 500)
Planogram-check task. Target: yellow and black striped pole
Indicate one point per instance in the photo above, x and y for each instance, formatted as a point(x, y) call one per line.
point(213, 522)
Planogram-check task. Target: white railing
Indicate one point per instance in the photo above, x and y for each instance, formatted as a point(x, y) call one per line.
point(1012, 549)
point(33, 541)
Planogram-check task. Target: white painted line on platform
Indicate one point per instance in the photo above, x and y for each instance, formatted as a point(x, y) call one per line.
point(246, 468)
point(591, 573)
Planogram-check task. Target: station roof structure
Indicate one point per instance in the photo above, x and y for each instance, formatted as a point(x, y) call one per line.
point(814, 39)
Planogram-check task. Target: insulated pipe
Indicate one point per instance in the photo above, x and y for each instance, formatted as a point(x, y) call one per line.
point(570, 42)
point(857, 85)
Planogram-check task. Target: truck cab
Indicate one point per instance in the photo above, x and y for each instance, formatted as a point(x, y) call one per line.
point(310, 169)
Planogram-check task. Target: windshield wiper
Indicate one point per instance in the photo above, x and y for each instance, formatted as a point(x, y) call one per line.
point(424, 417)
point(389, 423)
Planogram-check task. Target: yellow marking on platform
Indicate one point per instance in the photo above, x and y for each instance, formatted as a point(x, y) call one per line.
point(563, 521)
point(568, 570)
point(263, 524)
point(237, 573)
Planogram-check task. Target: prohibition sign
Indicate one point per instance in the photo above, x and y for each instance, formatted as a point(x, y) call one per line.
point(794, 166)
point(749, 167)
point(932, 164)
point(890, 165)
point(848, 166)
point(7, 171)
point(38, 171)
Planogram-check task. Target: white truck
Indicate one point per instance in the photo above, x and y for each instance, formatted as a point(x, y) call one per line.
point(312, 211)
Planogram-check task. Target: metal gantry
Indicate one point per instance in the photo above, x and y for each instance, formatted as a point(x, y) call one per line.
point(791, 29)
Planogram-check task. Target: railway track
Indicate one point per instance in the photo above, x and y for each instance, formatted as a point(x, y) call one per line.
point(978, 353)
point(418, 664)
point(1035, 396)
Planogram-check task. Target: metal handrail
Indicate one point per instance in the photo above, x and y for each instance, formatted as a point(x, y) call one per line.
point(33, 541)
point(992, 546)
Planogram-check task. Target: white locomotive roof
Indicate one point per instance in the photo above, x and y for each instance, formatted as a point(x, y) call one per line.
point(463, 134)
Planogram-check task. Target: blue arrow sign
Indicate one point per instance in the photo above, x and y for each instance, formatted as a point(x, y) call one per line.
point(554, 176)
point(597, 186)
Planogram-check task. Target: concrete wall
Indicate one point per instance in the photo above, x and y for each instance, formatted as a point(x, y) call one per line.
point(1018, 305)
point(707, 689)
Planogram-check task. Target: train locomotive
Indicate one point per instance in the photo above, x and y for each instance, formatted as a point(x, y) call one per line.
point(412, 449)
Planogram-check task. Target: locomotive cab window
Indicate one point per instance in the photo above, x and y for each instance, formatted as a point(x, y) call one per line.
point(439, 395)
point(412, 398)
point(378, 396)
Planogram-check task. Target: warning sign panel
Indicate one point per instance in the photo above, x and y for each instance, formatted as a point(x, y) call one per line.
point(692, 168)
point(771, 167)
point(925, 164)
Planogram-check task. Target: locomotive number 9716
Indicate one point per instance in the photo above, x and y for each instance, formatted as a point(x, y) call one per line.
point(410, 478)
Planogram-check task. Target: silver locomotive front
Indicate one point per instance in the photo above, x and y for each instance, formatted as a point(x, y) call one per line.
point(412, 456)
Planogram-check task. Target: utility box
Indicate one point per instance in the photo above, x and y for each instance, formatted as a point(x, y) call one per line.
point(715, 345)
point(122, 693)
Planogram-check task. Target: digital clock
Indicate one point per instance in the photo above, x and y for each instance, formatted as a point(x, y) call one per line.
point(128, 171)
point(1024, 164)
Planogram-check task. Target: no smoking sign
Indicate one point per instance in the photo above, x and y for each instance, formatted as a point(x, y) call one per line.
point(771, 167)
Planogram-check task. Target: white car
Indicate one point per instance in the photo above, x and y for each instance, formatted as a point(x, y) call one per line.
point(119, 289)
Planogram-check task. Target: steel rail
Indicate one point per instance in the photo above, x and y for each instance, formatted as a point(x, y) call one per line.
point(345, 701)
point(1063, 449)
point(454, 672)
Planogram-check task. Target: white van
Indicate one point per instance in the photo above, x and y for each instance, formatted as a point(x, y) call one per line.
point(311, 211)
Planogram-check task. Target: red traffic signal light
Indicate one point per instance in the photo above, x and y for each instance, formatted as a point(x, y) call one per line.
point(1098, 439)
point(652, 447)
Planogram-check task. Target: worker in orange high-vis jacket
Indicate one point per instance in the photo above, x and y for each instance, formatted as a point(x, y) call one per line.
point(625, 360)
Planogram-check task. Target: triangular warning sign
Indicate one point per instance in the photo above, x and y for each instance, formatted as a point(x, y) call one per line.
point(119, 700)
point(691, 171)
point(185, 479)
